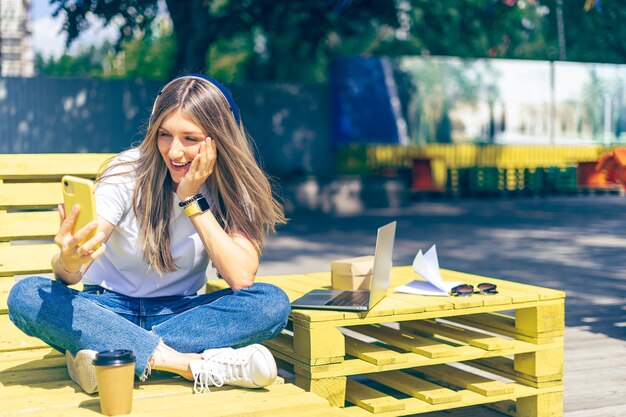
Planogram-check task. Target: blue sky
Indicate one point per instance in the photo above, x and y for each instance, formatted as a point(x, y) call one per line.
point(40, 8)
point(48, 39)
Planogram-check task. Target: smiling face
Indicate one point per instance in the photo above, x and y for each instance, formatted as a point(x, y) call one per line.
point(179, 141)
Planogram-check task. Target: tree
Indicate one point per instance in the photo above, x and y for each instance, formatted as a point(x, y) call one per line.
point(521, 29)
point(292, 31)
point(300, 36)
point(475, 28)
point(593, 34)
point(132, 16)
point(149, 58)
point(86, 63)
point(295, 40)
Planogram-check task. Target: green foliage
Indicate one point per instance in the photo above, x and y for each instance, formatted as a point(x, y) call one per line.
point(475, 28)
point(227, 59)
point(151, 58)
point(594, 35)
point(291, 40)
point(146, 58)
point(86, 63)
point(134, 17)
point(295, 40)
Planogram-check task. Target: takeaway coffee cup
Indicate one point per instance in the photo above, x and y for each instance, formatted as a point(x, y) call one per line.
point(115, 374)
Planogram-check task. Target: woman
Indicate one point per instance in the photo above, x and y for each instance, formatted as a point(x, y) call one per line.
point(191, 193)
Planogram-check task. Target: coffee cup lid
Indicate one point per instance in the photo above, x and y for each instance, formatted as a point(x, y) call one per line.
point(114, 357)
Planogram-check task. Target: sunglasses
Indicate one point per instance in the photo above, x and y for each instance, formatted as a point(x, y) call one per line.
point(465, 290)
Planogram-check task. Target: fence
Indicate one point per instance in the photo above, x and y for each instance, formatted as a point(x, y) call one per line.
point(289, 123)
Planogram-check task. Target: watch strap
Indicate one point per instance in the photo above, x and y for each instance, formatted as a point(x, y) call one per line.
point(198, 206)
point(189, 200)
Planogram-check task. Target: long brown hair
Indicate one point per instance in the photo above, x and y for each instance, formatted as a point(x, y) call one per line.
point(242, 195)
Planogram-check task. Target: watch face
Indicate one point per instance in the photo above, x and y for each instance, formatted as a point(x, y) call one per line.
point(203, 204)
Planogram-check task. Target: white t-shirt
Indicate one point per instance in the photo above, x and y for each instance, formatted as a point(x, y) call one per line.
point(122, 267)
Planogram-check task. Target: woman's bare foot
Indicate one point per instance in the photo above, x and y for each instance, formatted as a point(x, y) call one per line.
point(167, 359)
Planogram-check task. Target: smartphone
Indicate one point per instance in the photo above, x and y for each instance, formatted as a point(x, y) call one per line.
point(82, 192)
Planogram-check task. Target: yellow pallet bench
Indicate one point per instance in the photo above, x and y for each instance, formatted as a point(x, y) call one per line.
point(33, 377)
point(413, 354)
point(35, 382)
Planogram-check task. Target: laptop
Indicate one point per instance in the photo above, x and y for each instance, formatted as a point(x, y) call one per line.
point(358, 300)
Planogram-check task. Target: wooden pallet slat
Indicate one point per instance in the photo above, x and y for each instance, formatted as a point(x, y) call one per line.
point(30, 195)
point(416, 387)
point(305, 317)
point(425, 303)
point(6, 283)
point(505, 367)
point(359, 366)
point(284, 282)
point(236, 403)
point(406, 304)
point(12, 338)
point(470, 398)
point(283, 343)
point(28, 360)
point(495, 322)
point(26, 259)
point(389, 306)
point(471, 337)
point(465, 379)
point(165, 399)
point(370, 399)
point(28, 225)
point(504, 325)
point(409, 342)
point(51, 166)
point(43, 377)
point(372, 353)
point(520, 292)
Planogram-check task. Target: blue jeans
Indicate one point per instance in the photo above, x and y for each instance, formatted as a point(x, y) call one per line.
point(99, 319)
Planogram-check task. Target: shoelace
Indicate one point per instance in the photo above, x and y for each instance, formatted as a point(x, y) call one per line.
point(204, 379)
point(219, 370)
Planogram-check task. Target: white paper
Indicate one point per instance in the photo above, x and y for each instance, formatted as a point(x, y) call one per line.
point(427, 266)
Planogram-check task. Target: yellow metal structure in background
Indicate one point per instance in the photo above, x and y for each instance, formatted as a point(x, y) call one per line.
point(363, 159)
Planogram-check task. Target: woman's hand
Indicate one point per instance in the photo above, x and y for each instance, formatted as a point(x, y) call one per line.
point(74, 254)
point(201, 168)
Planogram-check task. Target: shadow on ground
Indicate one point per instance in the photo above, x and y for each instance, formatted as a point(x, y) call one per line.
point(574, 243)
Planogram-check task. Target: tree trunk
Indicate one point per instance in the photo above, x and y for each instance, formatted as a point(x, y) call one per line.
point(194, 33)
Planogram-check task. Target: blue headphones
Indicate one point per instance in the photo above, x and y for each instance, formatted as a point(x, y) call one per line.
point(225, 93)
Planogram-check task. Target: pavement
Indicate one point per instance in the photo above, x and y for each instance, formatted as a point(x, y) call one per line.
point(573, 243)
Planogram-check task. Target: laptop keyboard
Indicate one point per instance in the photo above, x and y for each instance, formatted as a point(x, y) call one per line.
point(350, 298)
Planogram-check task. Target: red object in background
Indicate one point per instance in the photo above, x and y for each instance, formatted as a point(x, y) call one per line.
point(422, 175)
point(588, 175)
point(615, 163)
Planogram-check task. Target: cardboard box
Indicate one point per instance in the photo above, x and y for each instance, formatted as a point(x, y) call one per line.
point(352, 273)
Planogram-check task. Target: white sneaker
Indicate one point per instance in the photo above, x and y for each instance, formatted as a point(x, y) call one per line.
point(248, 367)
point(81, 369)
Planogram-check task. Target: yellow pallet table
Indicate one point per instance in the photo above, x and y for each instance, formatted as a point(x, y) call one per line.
point(414, 354)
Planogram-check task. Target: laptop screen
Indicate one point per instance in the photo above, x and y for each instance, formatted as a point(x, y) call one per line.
point(381, 275)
